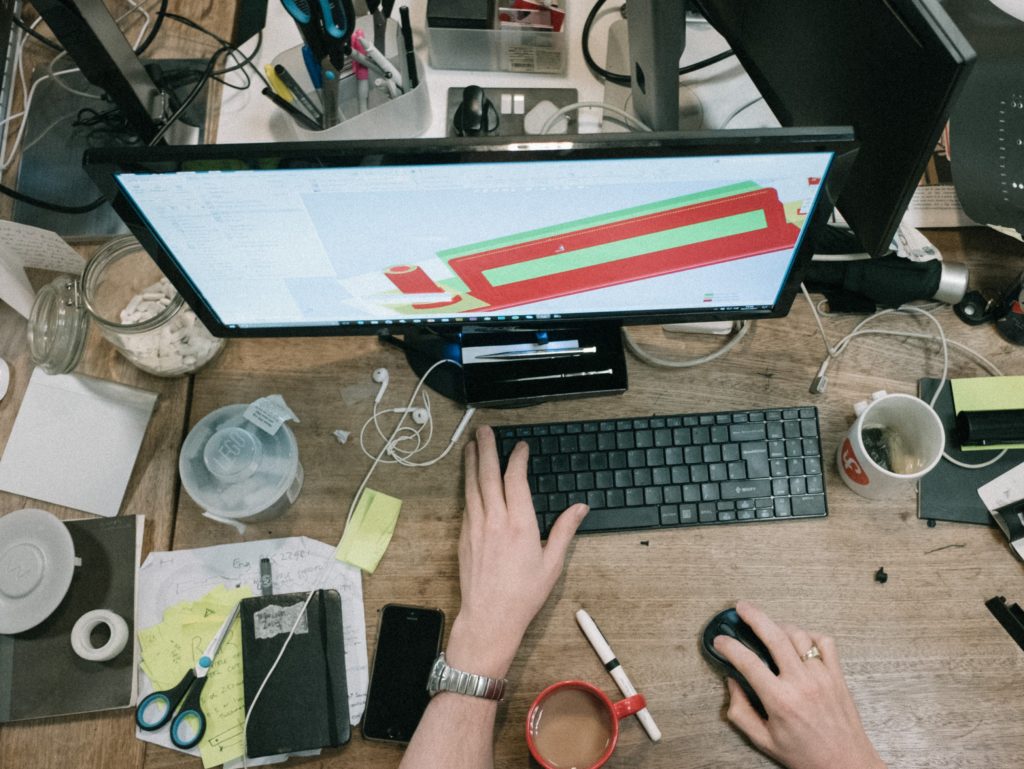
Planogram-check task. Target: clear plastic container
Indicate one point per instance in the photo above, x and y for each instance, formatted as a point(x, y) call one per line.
point(135, 308)
point(233, 468)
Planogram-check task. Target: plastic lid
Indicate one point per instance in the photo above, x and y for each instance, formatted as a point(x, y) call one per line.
point(235, 469)
point(58, 326)
point(37, 561)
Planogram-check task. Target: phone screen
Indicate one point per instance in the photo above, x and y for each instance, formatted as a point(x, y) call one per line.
point(408, 642)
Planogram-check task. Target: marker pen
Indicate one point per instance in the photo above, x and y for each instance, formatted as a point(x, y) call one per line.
point(612, 665)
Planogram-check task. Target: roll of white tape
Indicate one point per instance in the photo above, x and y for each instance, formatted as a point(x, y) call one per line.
point(81, 635)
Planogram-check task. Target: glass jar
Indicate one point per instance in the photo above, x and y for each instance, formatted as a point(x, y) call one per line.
point(135, 308)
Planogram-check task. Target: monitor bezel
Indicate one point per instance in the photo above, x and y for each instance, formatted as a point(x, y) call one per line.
point(104, 164)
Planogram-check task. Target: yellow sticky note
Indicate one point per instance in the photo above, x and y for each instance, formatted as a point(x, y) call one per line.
point(175, 645)
point(988, 394)
point(369, 532)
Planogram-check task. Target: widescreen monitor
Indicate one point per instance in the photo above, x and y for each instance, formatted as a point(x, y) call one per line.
point(447, 238)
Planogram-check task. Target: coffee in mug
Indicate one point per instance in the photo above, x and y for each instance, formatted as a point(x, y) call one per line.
point(574, 725)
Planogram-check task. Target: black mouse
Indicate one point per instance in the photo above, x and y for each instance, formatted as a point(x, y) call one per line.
point(729, 623)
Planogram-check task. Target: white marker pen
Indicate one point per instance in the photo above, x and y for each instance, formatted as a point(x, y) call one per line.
point(612, 665)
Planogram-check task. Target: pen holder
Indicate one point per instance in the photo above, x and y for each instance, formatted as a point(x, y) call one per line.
point(403, 117)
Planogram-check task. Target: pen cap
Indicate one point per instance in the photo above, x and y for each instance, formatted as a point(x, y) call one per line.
point(234, 468)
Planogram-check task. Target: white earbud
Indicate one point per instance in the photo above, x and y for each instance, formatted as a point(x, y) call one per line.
point(380, 376)
point(419, 415)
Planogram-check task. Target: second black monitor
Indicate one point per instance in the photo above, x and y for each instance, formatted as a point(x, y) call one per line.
point(890, 68)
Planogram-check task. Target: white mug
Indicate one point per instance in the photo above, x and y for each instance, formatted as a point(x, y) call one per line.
point(911, 432)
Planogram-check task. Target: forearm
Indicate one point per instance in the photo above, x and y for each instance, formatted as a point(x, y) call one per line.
point(457, 731)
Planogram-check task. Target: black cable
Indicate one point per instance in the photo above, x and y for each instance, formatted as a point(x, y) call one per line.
point(83, 209)
point(155, 29)
point(625, 80)
point(191, 97)
point(33, 34)
point(246, 60)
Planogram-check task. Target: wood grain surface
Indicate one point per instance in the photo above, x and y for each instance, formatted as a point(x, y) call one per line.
point(938, 682)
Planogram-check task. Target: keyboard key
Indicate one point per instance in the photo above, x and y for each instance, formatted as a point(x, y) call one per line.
point(611, 518)
point(808, 505)
point(669, 515)
point(749, 431)
point(748, 488)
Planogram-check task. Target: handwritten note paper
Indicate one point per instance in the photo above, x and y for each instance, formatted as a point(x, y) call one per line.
point(368, 534)
point(22, 246)
point(190, 587)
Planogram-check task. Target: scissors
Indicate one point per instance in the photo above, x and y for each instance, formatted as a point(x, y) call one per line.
point(326, 27)
point(182, 702)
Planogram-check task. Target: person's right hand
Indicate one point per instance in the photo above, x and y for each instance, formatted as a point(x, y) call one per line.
point(812, 722)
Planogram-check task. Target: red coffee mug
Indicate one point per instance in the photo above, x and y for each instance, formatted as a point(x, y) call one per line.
point(575, 724)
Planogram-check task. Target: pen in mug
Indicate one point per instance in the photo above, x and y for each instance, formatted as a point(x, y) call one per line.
point(298, 93)
point(612, 665)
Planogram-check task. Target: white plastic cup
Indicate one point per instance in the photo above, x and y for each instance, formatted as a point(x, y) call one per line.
point(915, 432)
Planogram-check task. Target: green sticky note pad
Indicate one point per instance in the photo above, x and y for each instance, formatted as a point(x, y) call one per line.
point(988, 394)
point(369, 532)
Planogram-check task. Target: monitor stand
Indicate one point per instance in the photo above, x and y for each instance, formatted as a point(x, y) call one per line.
point(504, 368)
point(51, 163)
point(617, 60)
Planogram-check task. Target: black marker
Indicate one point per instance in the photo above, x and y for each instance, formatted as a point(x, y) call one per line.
point(410, 57)
point(300, 117)
point(298, 93)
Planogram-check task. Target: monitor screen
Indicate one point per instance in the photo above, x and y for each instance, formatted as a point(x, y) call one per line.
point(355, 237)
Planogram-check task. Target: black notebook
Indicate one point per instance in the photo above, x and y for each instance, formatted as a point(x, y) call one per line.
point(304, 704)
point(949, 492)
point(40, 674)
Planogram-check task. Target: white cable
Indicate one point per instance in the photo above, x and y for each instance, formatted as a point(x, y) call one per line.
point(859, 330)
point(735, 113)
point(631, 120)
point(742, 327)
point(392, 443)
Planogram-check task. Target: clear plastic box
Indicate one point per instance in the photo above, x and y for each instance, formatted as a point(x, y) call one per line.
point(503, 50)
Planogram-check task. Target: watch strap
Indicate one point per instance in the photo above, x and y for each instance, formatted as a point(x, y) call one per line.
point(449, 679)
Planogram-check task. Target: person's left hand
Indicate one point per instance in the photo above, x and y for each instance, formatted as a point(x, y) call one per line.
point(505, 572)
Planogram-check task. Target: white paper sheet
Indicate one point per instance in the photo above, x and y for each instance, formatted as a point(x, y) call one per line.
point(297, 564)
point(22, 246)
point(75, 441)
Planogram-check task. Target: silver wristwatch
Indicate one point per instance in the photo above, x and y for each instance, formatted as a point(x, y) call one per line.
point(445, 678)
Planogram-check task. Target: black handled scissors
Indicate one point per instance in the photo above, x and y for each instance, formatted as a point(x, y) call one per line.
point(182, 702)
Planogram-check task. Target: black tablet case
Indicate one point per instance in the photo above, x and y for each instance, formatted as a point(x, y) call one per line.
point(950, 493)
point(304, 705)
point(40, 675)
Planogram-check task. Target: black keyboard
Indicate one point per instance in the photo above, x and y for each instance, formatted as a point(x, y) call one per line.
point(668, 471)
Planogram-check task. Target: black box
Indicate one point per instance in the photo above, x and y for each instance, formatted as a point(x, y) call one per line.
point(461, 14)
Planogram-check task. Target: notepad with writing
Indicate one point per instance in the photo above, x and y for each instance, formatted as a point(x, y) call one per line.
point(304, 703)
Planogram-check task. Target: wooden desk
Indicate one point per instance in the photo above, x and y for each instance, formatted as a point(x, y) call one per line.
point(937, 680)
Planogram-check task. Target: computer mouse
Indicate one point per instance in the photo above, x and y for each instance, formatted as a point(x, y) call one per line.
point(728, 623)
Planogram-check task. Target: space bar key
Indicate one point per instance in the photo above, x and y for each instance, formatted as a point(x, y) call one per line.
point(611, 518)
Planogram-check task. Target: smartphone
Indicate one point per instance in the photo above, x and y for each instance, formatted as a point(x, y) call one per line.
point(408, 642)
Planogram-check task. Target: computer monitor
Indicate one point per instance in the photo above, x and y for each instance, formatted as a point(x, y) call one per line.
point(891, 69)
point(518, 260)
